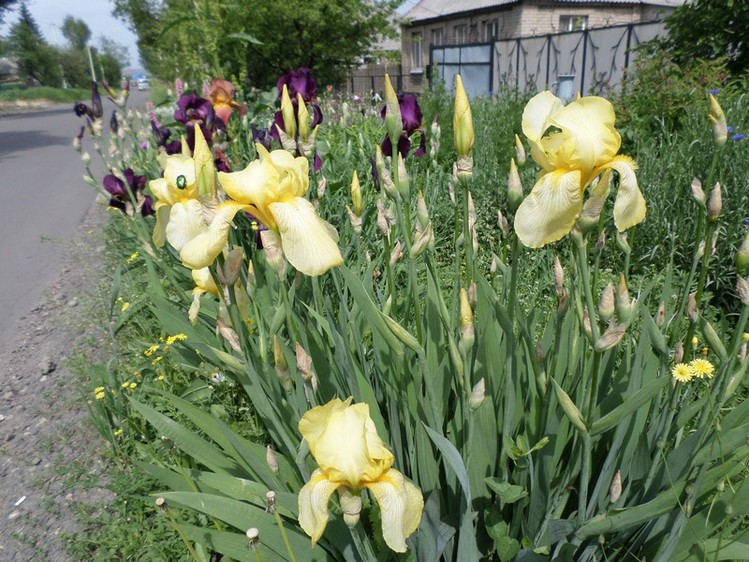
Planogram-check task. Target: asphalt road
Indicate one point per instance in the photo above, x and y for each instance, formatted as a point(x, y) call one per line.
point(43, 198)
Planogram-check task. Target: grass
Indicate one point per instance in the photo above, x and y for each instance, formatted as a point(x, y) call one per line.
point(45, 93)
point(131, 528)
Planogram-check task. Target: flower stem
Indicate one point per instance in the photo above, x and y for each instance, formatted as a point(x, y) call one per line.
point(284, 536)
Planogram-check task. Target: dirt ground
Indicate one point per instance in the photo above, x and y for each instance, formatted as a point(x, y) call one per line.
point(47, 445)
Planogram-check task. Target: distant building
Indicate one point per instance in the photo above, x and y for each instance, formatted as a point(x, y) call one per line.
point(457, 22)
point(8, 71)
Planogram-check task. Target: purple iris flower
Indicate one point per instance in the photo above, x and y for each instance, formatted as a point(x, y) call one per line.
point(262, 136)
point(299, 81)
point(162, 134)
point(82, 109)
point(128, 194)
point(411, 118)
point(193, 110)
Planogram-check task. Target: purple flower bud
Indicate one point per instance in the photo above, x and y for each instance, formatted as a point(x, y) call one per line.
point(82, 109)
point(113, 124)
point(96, 107)
point(144, 145)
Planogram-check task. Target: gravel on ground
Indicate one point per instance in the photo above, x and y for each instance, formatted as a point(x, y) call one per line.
point(47, 446)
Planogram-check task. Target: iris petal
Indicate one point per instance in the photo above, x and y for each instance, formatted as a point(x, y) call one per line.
point(309, 243)
point(590, 138)
point(313, 504)
point(185, 223)
point(201, 251)
point(401, 504)
point(550, 210)
point(162, 219)
point(629, 206)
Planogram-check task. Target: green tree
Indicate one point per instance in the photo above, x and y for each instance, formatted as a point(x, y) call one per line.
point(197, 38)
point(110, 56)
point(709, 29)
point(76, 32)
point(36, 60)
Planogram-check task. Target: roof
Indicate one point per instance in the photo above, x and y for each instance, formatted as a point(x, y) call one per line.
point(435, 9)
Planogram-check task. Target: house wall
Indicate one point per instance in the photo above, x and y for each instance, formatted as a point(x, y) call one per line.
point(527, 18)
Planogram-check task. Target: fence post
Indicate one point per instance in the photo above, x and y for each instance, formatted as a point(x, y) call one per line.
point(548, 59)
point(517, 65)
point(585, 56)
point(629, 44)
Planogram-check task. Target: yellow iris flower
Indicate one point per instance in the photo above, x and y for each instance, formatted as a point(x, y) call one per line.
point(351, 456)
point(574, 145)
point(186, 207)
point(272, 188)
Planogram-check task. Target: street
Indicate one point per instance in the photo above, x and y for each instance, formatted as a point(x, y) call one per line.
point(44, 198)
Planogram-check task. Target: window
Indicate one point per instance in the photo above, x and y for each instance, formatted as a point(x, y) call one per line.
point(491, 30)
point(437, 36)
point(474, 36)
point(416, 51)
point(461, 34)
point(573, 23)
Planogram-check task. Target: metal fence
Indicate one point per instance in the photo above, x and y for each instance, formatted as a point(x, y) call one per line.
point(578, 61)
point(371, 79)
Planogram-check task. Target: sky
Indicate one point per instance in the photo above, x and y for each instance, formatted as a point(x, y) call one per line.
point(97, 14)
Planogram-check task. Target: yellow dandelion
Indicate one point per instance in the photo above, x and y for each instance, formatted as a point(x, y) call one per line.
point(125, 306)
point(132, 385)
point(133, 257)
point(702, 368)
point(682, 372)
point(151, 350)
point(695, 341)
point(117, 432)
point(101, 394)
point(175, 338)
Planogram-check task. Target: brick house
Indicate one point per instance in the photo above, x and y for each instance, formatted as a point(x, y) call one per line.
point(455, 22)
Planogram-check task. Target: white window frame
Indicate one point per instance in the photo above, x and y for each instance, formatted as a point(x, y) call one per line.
point(438, 36)
point(491, 30)
point(568, 22)
point(461, 34)
point(417, 42)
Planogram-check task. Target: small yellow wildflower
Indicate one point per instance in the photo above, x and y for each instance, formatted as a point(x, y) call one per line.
point(702, 368)
point(125, 384)
point(705, 350)
point(695, 341)
point(117, 432)
point(175, 338)
point(746, 336)
point(160, 378)
point(133, 257)
point(101, 394)
point(99, 389)
point(151, 350)
point(156, 360)
point(132, 385)
point(682, 372)
point(125, 306)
